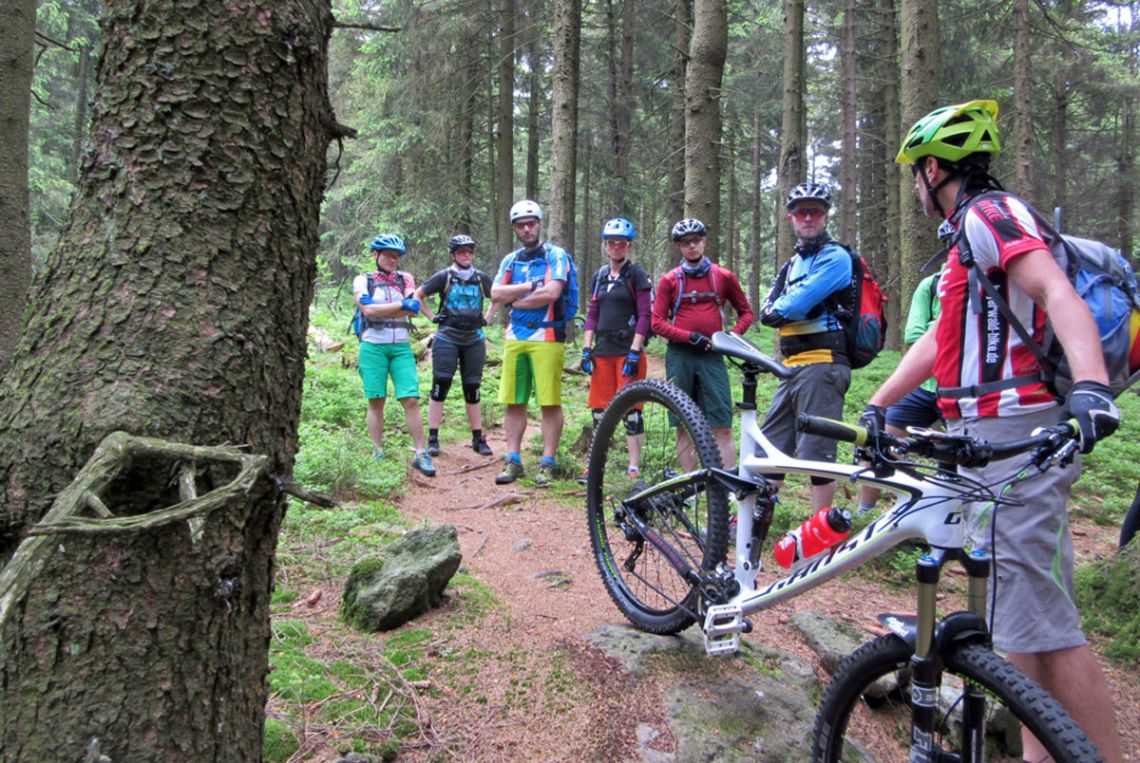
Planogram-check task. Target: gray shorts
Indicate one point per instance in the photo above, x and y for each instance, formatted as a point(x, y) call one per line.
point(1034, 612)
point(817, 389)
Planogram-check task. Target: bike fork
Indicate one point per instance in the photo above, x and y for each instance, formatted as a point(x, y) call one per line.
point(926, 664)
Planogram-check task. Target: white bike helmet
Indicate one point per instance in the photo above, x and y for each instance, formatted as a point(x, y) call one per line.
point(525, 208)
point(809, 192)
point(687, 226)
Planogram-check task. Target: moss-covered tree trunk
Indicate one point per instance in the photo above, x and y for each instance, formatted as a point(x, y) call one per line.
point(564, 123)
point(175, 306)
point(683, 29)
point(15, 101)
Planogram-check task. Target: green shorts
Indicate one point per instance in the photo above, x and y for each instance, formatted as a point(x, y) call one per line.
point(379, 361)
point(703, 377)
point(531, 366)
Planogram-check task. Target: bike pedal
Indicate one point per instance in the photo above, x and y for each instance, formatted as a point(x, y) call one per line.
point(723, 626)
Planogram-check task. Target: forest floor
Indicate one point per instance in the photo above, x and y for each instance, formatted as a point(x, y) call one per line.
point(515, 678)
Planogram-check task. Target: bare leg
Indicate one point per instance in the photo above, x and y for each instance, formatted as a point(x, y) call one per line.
point(414, 419)
point(514, 422)
point(551, 429)
point(686, 453)
point(822, 495)
point(634, 443)
point(1075, 680)
point(727, 447)
point(375, 419)
point(435, 413)
point(475, 415)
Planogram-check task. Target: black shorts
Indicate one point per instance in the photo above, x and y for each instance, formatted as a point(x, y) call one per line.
point(469, 358)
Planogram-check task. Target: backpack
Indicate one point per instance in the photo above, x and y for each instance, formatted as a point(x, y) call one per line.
point(679, 274)
point(570, 293)
point(1105, 281)
point(604, 273)
point(461, 322)
point(359, 322)
point(861, 307)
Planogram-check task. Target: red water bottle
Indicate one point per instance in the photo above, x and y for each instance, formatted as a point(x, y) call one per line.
point(820, 532)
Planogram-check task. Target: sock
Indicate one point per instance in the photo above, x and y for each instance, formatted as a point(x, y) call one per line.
point(546, 461)
point(433, 434)
point(514, 456)
point(476, 434)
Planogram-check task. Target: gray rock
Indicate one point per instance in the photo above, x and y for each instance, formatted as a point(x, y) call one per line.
point(386, 590)
point(765, 711)
point(833, 641)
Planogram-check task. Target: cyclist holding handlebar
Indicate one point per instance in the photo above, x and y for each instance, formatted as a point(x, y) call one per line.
point(990, 386)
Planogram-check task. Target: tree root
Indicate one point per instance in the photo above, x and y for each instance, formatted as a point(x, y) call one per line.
point(110, 458)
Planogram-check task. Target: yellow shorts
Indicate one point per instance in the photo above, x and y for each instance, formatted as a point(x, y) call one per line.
point(531, 366)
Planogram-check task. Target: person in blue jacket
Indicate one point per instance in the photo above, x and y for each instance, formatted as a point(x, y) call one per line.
point(812, 337)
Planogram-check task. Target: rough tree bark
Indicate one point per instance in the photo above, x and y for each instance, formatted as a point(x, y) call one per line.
point(683, 27)
point(888, 43)
point(505, 123)
point(564, 123)
point(16, 47)
point(707, 52)
point(918, 94)
point(174, 306)
point(849, 104)
point(1022, 109)
point(793, 127)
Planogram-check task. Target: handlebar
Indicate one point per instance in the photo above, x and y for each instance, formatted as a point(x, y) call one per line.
point(961, 450)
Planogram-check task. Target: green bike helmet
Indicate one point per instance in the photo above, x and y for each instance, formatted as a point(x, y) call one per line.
point(953, 133)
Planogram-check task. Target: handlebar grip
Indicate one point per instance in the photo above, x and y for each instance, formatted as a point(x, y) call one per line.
point(832, 429)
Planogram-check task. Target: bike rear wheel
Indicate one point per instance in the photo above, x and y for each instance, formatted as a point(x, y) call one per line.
point(639, 548)
point(852, 727)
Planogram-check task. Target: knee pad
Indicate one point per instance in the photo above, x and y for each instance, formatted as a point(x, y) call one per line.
point(634, 423)
point(439, 388)
point(471, 393)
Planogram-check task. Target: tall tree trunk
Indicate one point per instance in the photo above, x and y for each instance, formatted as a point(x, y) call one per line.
point(683, 26)
point(755, 247)
point(470, 69)
point(80, 133)
point(1022, 110)
point(918, 94)
point(793, 135)
point(892, 132)
point(16, 51)
point(623, 109)
point(535, 61)
point(707, 52)
point(505, 121)
point(1126, 151)
point(195, 251)
point(848, 182)
point(564, 122)
point(730, 199)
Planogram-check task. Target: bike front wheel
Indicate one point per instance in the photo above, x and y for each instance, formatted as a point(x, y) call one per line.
point(642, 548)
point(851, 726)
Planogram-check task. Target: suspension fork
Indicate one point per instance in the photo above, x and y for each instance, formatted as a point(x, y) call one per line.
point(927, 662)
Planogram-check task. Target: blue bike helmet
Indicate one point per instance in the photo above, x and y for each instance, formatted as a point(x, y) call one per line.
point(459, 242)
point(619, 227)
point(388, 241)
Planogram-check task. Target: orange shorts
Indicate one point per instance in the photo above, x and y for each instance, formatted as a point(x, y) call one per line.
point(607, 379)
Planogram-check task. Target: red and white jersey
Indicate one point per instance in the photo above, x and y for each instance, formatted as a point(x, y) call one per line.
point(979, 347)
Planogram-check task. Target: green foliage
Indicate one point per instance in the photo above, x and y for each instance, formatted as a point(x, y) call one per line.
point(279, 743)
point(1108, 594)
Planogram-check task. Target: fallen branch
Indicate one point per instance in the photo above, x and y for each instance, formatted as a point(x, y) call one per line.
point(475, 467)
point(503, 500)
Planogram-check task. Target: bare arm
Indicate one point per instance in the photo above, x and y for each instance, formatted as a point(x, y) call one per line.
point(424, 307)
point(543, 295)
point(912, 371)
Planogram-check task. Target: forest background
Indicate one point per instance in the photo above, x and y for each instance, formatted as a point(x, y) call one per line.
point(166, 229)
point(453, 102)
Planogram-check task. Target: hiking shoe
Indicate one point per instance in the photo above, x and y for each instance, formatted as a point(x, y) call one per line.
point(422, 464)
point(512, 470)
point(377, 455)
point(545, 476)
point(480, 446)
point(633, 471)
point(433, 446)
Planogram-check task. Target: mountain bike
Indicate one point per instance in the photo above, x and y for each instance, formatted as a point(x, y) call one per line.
point(661, 542)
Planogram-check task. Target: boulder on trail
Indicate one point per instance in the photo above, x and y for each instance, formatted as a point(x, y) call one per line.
point(405, 580)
